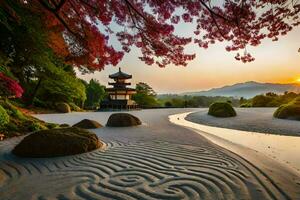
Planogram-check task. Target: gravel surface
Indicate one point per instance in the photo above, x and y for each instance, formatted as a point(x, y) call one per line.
point(249, 119)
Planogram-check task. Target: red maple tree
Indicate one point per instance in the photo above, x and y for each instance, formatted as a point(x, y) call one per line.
point(80, 30)
point(9, 87)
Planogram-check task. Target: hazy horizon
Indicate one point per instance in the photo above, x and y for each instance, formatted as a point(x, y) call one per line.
point(276, 62)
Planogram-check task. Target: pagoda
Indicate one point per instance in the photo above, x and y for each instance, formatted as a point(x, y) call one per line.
point(119, 95)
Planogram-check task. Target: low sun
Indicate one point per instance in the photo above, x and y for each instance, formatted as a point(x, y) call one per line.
point(298, 80)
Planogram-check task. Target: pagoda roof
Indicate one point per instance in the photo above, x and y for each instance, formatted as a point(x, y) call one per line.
point(120, 89)
point(120, 75)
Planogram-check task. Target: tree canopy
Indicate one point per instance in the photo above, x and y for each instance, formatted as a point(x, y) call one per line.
point(95, 93)
point(145, 96)
point(80, 31)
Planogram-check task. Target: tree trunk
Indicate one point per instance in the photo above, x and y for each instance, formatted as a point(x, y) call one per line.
point(30, 100)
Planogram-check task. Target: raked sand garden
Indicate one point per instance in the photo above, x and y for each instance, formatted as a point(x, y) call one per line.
point(155, 160)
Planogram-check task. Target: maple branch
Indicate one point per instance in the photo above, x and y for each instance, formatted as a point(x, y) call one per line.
point(212, 12)
point(59, 18)
point(138, 12)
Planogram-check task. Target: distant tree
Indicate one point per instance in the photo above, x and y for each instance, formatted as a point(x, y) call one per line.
point(271, 99)
point(145, 96)
point(242, 100)
point(271, 94)
point(144, 88)
point(95, 93)
point(178, 102)
point(262, 101)
point(168, 104)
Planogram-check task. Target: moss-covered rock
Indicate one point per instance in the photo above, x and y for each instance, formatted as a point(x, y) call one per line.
point(57, 142)
point(87, 124)
point(74, 107)
point(4, 117)
point(64, 125)
point(221, 109)
point(63, 107)
point(122, 120)
point(20, 123)
point(289, 111)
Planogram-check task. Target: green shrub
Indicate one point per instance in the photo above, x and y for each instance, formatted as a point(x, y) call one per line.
point(12, 127)
point(17, 114)
point(39, 103)
point(64, 125)
point(168, 104)
point(289, 111)
point(57, 142)
point(4, 117)
point(246, 105)
point(12, 110)
point(273, 103)
point(262, 101)
point(221, 109)
point(52, 125)
point(35, 126)
point(74, 107)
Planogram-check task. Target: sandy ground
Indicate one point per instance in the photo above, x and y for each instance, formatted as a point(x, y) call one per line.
point(158, 160)
point(249, 119)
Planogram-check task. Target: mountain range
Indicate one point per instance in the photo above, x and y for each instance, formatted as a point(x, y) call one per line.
point(248, 89)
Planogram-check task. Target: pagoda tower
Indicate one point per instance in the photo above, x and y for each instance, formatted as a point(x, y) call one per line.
point(119, 95)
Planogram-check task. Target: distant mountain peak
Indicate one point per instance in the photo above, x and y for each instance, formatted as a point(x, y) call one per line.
point(248, 89)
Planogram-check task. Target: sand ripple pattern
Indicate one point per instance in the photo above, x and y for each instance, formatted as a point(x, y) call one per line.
point(150, 170)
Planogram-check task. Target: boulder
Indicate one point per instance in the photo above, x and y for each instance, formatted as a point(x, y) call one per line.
point(63, 108)
point(289, 111)
point(122, 120)
point(221, 109)
point(88, 124)
point(57, 142)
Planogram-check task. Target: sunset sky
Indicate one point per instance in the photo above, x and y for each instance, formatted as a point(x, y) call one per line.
point(275, 62)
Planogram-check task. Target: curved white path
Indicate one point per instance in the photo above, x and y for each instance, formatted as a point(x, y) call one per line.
point(285, 149)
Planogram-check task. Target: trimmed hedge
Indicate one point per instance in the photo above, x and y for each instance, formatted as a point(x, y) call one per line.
point(57, 142)
point(221, 109)
point(289, 111)
point(4, 117)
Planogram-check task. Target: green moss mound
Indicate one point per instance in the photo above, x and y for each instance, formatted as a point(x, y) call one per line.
point(64, 125)
point(123, 120)
point(289, 111)
point(57, 142)
point(4, 117)
point(19, 122)
point(87, 124)
point(63, 107)
point(221, 109)
point(74, 107)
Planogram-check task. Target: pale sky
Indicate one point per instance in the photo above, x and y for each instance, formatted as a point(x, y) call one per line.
point(214, 67)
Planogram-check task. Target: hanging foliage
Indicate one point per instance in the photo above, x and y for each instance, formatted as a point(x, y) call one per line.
point(9, 87)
